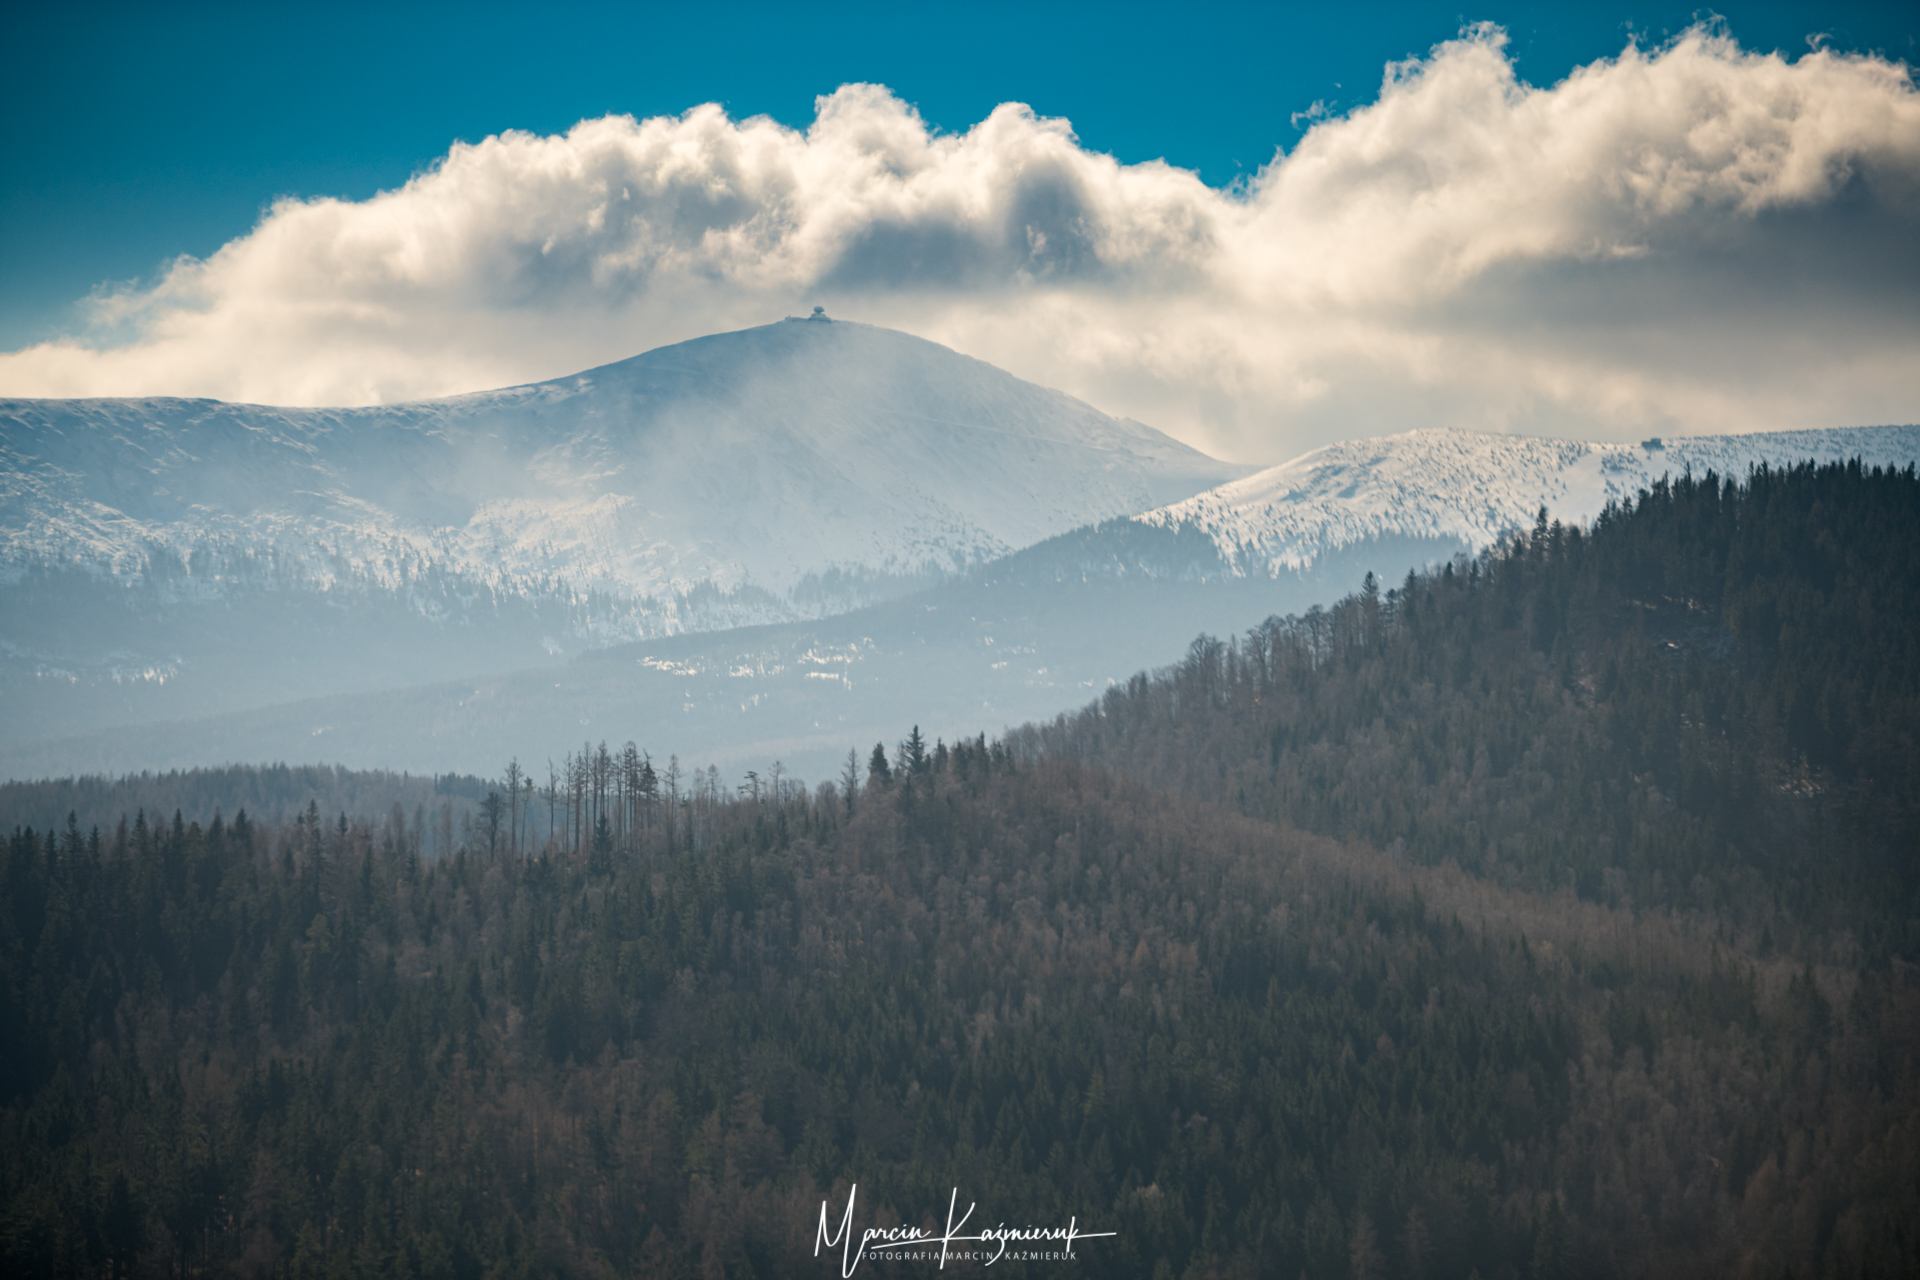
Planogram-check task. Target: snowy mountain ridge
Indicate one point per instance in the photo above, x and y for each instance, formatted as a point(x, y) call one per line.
point(747, 462)
point(756, 545)
point(1471, 488)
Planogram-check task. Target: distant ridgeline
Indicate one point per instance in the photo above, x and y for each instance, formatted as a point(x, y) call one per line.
point(1553, 914)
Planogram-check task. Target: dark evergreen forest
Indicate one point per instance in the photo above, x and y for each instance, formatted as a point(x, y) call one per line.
point(1550, 915)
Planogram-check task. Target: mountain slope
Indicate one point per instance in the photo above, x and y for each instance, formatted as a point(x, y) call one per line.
point(757, 457)
point(170, 557)
point(1468, 489)
point(1023, 637)
point(1012, 641)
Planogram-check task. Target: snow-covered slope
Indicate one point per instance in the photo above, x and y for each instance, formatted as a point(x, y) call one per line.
point(761, 459)
point(1440, 487)
point(162, 558)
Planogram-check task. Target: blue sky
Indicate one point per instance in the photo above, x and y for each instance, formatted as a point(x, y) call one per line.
point(138, 132)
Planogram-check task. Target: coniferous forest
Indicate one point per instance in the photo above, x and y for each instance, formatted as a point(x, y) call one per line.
point(1549, 914)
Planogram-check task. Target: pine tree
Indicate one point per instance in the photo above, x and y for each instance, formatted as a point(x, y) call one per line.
point(913, 754)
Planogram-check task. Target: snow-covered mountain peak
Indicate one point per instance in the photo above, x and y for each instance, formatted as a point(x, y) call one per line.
point(764, 457)
point(839, 381)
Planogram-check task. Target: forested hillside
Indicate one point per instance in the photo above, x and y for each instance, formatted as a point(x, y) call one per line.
point(1551, 915)
point(1708, 701)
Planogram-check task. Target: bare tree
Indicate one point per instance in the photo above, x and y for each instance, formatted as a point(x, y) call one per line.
point(553, 798)
point(513, 806)
point(850, 780)
point(673, 796)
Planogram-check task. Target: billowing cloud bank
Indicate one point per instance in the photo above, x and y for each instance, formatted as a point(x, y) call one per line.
point(1689, 237)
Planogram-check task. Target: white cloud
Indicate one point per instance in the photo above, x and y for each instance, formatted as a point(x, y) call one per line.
point(1689, 237)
